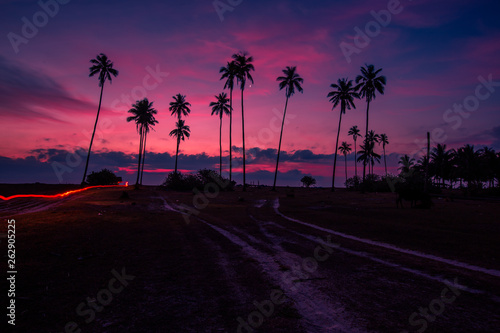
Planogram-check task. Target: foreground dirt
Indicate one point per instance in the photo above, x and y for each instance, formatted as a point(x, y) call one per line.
point(235, 262)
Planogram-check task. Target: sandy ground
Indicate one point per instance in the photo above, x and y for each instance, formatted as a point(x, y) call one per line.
point(259, 261)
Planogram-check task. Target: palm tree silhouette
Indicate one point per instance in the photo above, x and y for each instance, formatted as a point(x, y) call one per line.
point(369, 82)
point(344, 94)
point(243, 65)
point(373, 137)
point(179, 106)
point(229, 73)
point(406, 164)
point(368, 155)
point(180, 132)
point(441, 159)
point(289, 82)
point(104, 67)
point(384, 140)
point(220, 107)
point(345, 148)
point(354, 132)
point(143, 115)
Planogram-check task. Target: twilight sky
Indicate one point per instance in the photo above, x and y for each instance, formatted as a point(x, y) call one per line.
point(435, 54)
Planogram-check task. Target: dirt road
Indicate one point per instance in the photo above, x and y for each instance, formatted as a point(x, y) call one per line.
point(239, 262)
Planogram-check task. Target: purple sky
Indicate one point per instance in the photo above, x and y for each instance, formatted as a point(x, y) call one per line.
point(434, 54)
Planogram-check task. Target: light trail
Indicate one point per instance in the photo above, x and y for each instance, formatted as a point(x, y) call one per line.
point(61, 195)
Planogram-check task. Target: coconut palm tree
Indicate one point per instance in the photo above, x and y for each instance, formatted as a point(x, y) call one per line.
point(345, 148)
point(354, 132)
point(368, 155)
point(148, 123)
point(104, 67)
point(441, 159)
point(179, 106)
point(369, 83)
point(384, 140)
point(229, 73)
point(344, 94)
point(373, 137)
point(289, 82)
point(220, 108)
point(406, 164)
point(181, 131)
point(143, 115)
point(243, 65)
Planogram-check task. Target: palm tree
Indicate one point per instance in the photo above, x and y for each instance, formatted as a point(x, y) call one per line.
point(220, 107)
point(179, 106)
point(441, 159)
point(373, 137)
point(369, 82)
point(354, 132)
point(104, 67)
point(406, 164)
point(368, 155)
point(180, 132)
point(289, 82)
point(229, 73)
point(243, 65)
point(344, 94)
point(345, 148)
point(384, 140)
point(143, 115)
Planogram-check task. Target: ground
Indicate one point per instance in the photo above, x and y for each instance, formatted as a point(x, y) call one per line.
point(295, 260)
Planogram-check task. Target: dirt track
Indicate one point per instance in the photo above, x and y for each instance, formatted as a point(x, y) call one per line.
point(243, 264)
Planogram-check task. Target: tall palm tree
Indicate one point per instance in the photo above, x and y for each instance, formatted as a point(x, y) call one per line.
point(229, 73)
point(344, 94)
point(289, 82)
point(143, 115)
point(104, 67)
point(147, 126)
point(369, 82)
point(180, 132)
point(345, 148)
point(179, 106)
point(384, 140)
point(441, 159)
point(220, 108)
point(243, 65)
point(354, 132)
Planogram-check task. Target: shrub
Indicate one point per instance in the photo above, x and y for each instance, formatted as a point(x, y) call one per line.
point(199, 181)
point(103, 177)
point(307, 181)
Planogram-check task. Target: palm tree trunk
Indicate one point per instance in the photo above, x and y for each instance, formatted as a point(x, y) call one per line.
point(220, 145)
point(243, 135)
point(345, 159)
point(93, 133)
point(230, 134)
point(143, 155)
point(336, 148)
point(141, 134)
point(177, 153)
point(355, 160)
point(385, 162)
point(279, 146)
point(366, 137)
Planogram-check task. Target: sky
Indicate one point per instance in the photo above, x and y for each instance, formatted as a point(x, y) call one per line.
point(440, 58)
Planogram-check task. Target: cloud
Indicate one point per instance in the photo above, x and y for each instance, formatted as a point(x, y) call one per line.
point(27, 93)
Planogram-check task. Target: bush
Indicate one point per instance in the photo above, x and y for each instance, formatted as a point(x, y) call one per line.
point(103, 177)
point(307, 181)
point(199, 181)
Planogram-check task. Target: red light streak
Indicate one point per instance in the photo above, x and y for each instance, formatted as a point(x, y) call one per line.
point(61, 195)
